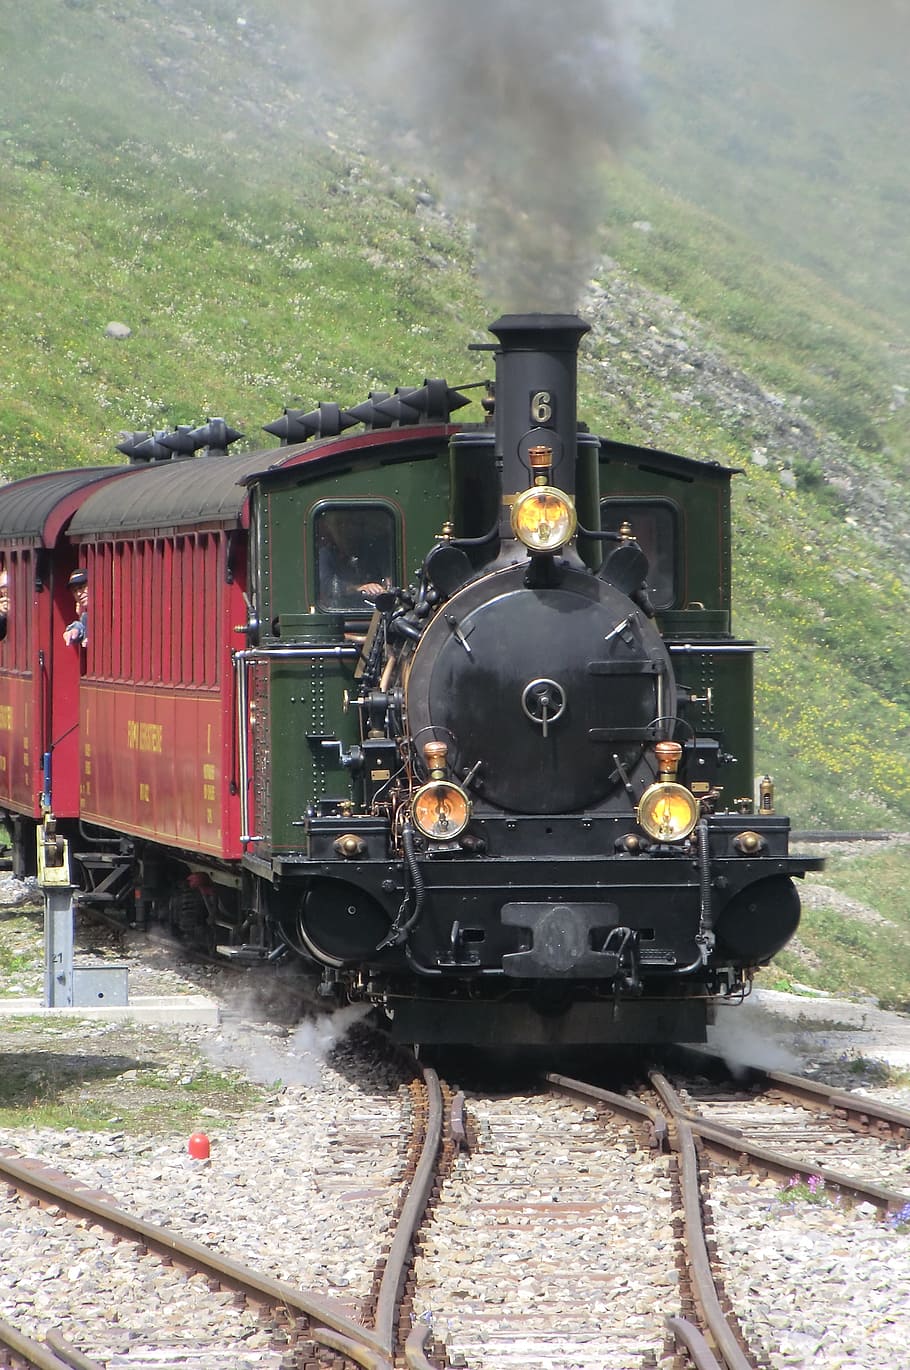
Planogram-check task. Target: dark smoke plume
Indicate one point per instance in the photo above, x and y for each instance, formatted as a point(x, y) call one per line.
point(516, 105)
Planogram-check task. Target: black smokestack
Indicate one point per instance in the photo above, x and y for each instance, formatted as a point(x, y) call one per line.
point(536, 399)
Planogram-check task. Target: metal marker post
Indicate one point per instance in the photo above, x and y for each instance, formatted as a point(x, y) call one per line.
point(54, 879)
point(91, 986)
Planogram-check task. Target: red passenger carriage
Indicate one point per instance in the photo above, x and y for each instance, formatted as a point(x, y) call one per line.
point(39, 674)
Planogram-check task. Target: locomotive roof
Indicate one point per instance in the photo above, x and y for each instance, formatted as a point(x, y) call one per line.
point(668, 463)
point(371, 442)
point(212, 489)
point(38, 507)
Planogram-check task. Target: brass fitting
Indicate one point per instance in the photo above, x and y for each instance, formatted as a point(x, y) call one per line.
point(435, 754)
point(668, 756)
point(350, 846)
point(540, 460)
point(749, 843)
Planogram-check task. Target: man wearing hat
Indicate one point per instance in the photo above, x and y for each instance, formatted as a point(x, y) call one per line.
point(77, 631)
point(4, 599)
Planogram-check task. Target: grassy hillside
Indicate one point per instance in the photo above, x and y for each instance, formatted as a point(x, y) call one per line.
point(854, 938)
point(788, 121)
point(155, 170)
point(236, 309)
point(167, 166)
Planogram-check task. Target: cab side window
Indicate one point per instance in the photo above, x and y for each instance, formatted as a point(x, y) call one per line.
point(654, 526)
point(355, 556)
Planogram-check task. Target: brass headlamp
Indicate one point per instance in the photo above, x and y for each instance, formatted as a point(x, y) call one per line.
point(667, 811)
point(543, 516)
point(440, 809)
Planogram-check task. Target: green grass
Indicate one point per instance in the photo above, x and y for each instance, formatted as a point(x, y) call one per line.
point(236, 312)
point(787, 120)
point(48, 1080)
point(795, 333)
point(12, 964)
point(21, 961)
point(851, 957)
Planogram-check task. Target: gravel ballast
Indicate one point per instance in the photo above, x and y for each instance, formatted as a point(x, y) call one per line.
point(306, 1167)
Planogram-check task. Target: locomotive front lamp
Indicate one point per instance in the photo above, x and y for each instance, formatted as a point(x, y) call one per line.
point(441, 810)
point(544, 518)
point(667, 811)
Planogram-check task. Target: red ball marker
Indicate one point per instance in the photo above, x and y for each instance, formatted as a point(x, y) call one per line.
point(199, 1147)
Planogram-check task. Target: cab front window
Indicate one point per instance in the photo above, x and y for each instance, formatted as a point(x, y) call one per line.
point(355, 556)
point(654, 526)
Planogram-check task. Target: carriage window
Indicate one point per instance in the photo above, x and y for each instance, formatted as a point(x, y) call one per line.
point(653, 524)
point(355, 556)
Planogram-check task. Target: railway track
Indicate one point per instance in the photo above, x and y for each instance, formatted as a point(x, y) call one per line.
point(826, 1145)
point(174, 1270)
point(509, 1270)
point(568, 1226)
point(177, 1273)
point(792, 1127)
point(830, 835)
point(526, 1257)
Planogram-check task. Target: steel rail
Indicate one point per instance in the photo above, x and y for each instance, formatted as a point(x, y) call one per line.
point(633, 1109)
point(810, 1094)
point(68, 1353)
point(411, 1217)
point(813, 1095)
point(696, 1246)
point(732, 1143)
point(362, 1355)
point(36, 1355)
point(688, 1335)
point(414, 1355)
point(28, 1178)
point(699, 1262)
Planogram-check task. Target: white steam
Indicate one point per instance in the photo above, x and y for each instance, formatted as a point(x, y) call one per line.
point(295, 1059)
point(748, 1035)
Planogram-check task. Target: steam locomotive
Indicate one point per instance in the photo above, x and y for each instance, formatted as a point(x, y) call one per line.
point(451, 712)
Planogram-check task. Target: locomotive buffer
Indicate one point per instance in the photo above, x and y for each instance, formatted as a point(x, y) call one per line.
point(67, 985)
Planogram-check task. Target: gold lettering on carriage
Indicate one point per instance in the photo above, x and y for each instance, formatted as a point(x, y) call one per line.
point(144, 737)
